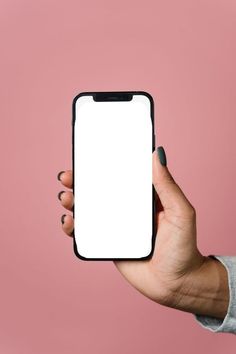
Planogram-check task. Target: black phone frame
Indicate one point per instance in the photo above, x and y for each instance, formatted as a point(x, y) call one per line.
point(115, 96)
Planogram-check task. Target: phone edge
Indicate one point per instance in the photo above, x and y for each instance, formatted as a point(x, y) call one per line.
point(89, 93)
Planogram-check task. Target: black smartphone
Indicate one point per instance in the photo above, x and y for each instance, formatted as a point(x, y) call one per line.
point(112, 144)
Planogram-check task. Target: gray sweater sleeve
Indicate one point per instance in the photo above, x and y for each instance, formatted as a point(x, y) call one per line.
point(228, 324)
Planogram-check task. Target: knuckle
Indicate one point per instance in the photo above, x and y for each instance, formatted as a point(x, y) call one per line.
point(191, 211)
point(186, 212)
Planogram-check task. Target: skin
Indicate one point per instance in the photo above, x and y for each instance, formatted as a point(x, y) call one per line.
point(177, 275)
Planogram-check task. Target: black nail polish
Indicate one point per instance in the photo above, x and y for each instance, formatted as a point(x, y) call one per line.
point(62, 218)
point(162, 155)
point(59, 175)
point(59, 194)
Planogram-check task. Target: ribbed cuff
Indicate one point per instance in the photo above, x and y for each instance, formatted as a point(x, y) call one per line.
point(228, 324)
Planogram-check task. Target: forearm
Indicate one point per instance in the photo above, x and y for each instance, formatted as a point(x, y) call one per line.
point(205, 291)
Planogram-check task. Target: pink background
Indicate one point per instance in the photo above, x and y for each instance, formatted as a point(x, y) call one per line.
point(184, 54)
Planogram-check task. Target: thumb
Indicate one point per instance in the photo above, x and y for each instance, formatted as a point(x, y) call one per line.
point(170, 194)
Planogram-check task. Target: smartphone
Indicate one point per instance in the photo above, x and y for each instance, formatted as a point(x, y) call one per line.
point(112, 143)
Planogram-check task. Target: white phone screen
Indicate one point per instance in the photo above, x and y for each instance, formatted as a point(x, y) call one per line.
point(112, 169)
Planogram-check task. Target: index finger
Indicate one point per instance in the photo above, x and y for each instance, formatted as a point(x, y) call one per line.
point(66, 178)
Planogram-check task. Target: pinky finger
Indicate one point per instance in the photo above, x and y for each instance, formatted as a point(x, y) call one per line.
point(67, 224)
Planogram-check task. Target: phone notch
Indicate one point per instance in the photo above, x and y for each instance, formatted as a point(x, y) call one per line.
point(112, 96)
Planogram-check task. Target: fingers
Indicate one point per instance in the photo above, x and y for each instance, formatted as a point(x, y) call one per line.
point(67, 199)
point(171, 196)
point(66, 178)
point(67, 224)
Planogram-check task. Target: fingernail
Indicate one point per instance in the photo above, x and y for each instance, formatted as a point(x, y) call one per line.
point(59, 194)
point(162, 155)
point(62, 218)
point(59, 175)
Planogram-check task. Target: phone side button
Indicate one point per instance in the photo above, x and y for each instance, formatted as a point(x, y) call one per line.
point(153, 141)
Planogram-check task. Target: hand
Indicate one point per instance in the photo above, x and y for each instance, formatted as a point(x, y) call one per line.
point(177, 275)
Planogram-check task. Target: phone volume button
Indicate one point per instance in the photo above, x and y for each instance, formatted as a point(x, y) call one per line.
point(153, 141)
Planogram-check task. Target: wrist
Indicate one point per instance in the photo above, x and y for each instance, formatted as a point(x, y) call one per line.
point(205, 291)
